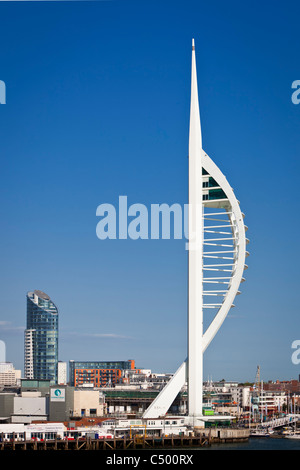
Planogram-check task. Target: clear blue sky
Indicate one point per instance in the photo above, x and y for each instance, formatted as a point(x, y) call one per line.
point(98, 106)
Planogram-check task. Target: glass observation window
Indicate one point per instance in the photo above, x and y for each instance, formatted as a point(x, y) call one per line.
point(217, 194)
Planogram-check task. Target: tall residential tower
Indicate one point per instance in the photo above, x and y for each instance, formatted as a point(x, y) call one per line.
point(41, 338)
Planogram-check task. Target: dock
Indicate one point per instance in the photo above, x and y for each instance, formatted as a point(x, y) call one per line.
point(135, 442)
point(195, 440)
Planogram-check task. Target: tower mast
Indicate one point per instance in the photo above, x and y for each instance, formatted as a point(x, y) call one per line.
point(195, 261)
point(221, 199)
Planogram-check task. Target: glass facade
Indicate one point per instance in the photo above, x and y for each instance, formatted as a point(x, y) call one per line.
point(42, 319)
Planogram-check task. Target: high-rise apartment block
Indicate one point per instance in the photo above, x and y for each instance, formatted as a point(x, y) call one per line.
point(41, 338)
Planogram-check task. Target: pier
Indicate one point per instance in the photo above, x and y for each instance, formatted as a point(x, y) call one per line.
point(197, 439)
point(136, 442)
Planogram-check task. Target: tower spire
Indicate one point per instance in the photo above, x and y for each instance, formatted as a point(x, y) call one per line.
point(195, 140)
point(195, 290)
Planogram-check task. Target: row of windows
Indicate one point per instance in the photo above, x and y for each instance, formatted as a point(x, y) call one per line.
point(101, 365)
point(43, 435)
point(214, 194)
point(98, 371)
point(153, 423)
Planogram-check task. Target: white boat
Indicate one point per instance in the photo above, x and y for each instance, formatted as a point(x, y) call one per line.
point(261, 432)
point(292, 435)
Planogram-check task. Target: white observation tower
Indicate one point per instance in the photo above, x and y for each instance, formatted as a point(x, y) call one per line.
point(216, 263)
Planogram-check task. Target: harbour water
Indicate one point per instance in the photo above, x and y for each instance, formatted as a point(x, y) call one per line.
point(256, 443)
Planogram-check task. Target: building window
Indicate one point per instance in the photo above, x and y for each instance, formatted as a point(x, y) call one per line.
point(217, 194)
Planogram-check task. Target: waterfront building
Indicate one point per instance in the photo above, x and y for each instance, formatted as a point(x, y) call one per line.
point(41, 338)
point(269, 402)
point(99, 373)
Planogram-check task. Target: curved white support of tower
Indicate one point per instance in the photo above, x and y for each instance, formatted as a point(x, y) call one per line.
point(217, 253)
